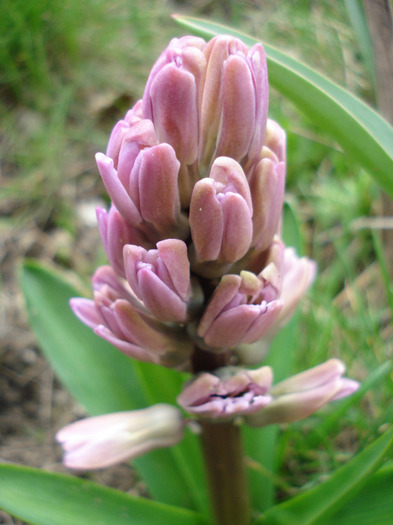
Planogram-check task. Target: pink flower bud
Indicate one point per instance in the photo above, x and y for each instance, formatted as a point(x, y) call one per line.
point(160, 278)
point(102, 441)
point(275, 141)
point(298, 275)
point(227, 393)
point(221, 213)
point(153, 186)
point(170, 97)
point(231, 392)
point(128, 138)
point(241, 309)
point(117, 316)
point(267, 186)
point(116, 191)
point(115, 233)
point(233, 101)
point(145, 191)
point(286, 277)
point(305, 393)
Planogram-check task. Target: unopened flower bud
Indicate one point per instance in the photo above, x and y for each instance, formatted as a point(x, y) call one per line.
point(232, 392)
point(303, 394)
point(117, 316)
point(298, 275)
point(267, 186)
point(146, 194)
point(275, 141)
point(106, 440)
point(115, 233)
point(221, 213)
point(161, 278)
point(286, 277)
point(170, 97)
point(233, 101)
point(238, 311)
point(128, 138)
point(227, 393)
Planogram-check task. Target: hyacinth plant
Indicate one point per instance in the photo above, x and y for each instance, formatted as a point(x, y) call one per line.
point(199, 288)
point(198, 272)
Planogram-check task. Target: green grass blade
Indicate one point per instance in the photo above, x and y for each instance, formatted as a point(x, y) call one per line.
point(45, 498)
point(362, 133)
point(319, 504)
point(359, 24)
point(383, 266)
point(99, 376)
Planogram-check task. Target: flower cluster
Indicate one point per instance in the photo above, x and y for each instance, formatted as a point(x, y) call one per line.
point(196, 176)
point(198, 272)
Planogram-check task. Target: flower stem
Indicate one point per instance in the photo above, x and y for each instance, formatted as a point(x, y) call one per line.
point(223, 453)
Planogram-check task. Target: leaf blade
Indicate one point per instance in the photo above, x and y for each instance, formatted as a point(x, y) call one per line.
point(100, 377)
point(318, 504)
point(372, 504)
point(45, 498)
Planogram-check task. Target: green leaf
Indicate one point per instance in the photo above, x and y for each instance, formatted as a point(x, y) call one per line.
point(318, 504)
point(101, 378)
point(362, 133)
point(373, 504)
point(45, 498)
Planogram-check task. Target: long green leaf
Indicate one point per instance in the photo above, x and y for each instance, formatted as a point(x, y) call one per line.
point(100, 377)
point(373, 505)
point(362, 133)
point(45, 498)
point(315, 506)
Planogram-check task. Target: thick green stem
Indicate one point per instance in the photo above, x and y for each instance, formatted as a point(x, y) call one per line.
point(223, 453)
